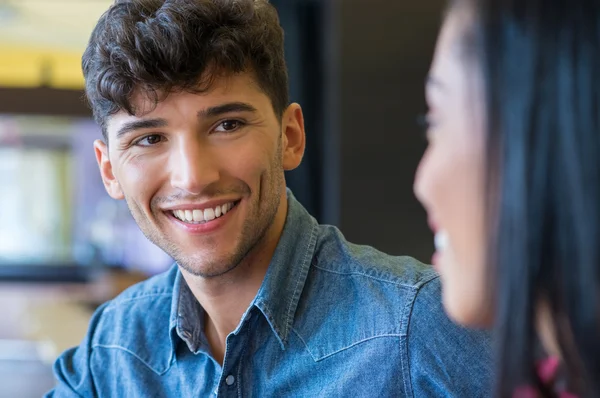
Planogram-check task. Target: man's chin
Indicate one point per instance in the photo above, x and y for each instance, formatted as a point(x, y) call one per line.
point(209, 266)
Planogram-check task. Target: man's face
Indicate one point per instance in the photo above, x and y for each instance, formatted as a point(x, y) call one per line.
point(202, 174)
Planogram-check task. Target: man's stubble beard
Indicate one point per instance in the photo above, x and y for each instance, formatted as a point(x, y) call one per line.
point(252, 236)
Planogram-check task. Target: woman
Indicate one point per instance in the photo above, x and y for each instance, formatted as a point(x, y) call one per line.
point(511, 183)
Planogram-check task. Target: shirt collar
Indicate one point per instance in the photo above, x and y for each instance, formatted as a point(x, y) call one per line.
point(280, 292)
point(278, 296)
point(187, 317)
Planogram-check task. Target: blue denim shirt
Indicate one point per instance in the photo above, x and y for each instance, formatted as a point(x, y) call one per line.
point(331, 319)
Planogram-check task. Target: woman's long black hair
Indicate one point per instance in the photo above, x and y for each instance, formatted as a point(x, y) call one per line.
point(541, 69)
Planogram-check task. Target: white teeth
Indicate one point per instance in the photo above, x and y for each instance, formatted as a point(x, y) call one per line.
point(209, 214)
point(441, 241)
point(198, 215)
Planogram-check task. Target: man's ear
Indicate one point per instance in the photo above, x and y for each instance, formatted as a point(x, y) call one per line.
point(108, 178)
point(293, 137)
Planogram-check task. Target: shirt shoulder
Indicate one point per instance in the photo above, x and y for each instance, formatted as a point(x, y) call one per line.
point(442, 355)
point(370, 293)
point(140, 315)
point(158, 285)
point(335, 254)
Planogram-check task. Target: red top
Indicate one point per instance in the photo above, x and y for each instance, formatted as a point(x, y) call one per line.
point(547, 371)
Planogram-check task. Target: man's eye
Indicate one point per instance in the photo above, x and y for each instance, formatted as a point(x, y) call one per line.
point(149, 140)
point(229, 126)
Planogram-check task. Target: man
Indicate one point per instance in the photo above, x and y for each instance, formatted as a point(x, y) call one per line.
point(193, 103)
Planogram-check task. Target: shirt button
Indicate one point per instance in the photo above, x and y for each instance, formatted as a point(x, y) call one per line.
point(230, 380)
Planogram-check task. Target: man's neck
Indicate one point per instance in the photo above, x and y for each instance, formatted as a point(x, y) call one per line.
point(226, 298)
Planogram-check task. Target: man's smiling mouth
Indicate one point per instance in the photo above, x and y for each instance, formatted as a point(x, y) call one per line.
point(202, 215)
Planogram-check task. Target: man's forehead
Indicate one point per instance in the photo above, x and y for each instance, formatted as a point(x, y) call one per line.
point(218, 85)
point(225, 88)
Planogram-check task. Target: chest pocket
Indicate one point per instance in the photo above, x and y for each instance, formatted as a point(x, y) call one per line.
point(355, 310)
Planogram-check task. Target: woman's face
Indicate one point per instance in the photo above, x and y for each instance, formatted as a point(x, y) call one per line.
point(450, 179)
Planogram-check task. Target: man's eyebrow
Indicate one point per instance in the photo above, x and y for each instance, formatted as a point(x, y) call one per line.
point(214, 111)
point(226, 108)
point(128, 127)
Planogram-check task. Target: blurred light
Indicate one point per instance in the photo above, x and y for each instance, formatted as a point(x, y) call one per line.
point(41, 41)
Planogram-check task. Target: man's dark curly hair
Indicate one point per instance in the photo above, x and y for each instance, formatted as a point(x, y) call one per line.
point(156, 47)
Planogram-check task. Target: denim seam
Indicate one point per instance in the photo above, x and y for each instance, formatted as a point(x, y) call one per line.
point(296, 295)
point(167, 290)
point(271, 320)
point(91, 376)
point(239, 372)
point(411, 287)
point(226, 360)
point(115, 304)
point(345, 348)
point(117, 347)
point(426, 281)
point(178, 316)
point(406, 319)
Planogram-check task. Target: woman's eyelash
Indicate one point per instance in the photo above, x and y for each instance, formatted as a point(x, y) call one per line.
point(423, 121)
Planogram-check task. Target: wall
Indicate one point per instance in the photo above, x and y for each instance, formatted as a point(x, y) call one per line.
point(43, 101)
point(384, 54)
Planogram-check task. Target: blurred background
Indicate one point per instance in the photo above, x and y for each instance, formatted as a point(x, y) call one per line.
point(356, 66)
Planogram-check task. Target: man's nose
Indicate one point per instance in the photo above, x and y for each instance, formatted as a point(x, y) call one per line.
point(193, 166)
